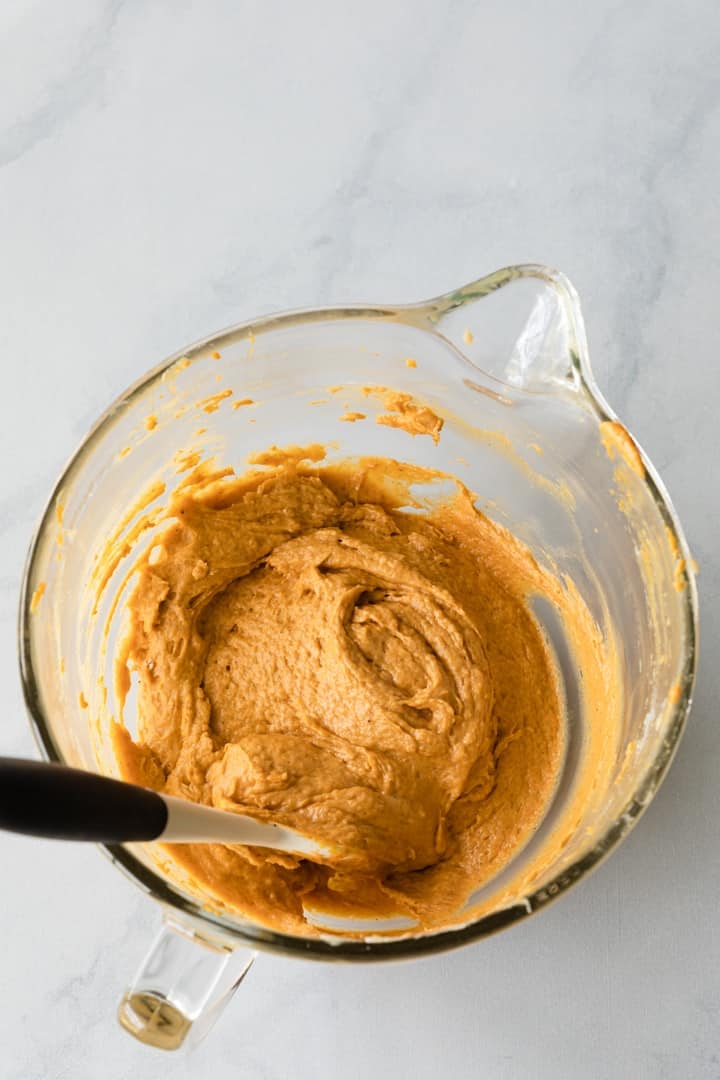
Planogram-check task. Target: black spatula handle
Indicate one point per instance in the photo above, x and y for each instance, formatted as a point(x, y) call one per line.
point(70, 804)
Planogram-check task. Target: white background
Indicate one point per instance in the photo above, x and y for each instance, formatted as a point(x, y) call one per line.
point(172, 167)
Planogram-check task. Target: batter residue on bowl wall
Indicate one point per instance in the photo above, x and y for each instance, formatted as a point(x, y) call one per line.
point(310, 651)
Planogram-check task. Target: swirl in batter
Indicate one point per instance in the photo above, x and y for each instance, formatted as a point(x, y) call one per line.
point(307, 652)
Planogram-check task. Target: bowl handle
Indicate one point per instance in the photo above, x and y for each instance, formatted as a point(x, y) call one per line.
point(532, 336)
point(183, 984)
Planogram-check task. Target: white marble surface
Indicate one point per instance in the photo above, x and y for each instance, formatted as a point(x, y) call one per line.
point(168, 168)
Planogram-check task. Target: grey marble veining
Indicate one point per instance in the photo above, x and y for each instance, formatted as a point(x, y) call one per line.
point(167, 169)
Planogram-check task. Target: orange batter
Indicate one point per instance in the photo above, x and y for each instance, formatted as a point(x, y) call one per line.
point(308, 652)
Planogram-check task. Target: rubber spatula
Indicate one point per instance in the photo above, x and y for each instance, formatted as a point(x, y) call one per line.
point(55, 801)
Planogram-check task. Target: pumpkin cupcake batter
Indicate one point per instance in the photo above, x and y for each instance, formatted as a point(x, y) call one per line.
point(308, 652)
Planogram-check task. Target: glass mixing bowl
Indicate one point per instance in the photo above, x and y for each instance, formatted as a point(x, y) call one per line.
point(504, 361)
